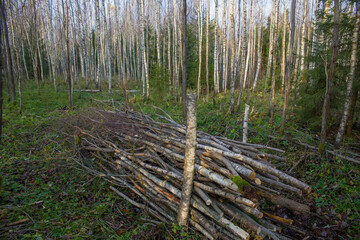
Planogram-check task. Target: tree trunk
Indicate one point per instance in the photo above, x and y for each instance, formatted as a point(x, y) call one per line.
point(225, 49)
point(243, 54)
point(283, 62)
point(207, 51)
point(303, 38)
point(169, 56)
point(175, 48)
point(330, 82)
point(259, 56)
point(66, 27)
point(1, 84)
point(216, 73)
point(189, 161)
point(349, 91)
point(272, 90)
point(200, 27)
point(288, 67)
point(97, 15)
point(351, 113)
point(144, 56)
point(270, 55)
point(35, 51)
point(232, 57)
point(246, 120)
point(184, 76)
point(157, 3)
point(9, 61)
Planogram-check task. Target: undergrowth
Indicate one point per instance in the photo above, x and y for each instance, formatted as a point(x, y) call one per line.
point(44, 187)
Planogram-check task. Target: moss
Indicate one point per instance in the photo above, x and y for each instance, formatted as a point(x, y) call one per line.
point(321, 148)
point(240, 182)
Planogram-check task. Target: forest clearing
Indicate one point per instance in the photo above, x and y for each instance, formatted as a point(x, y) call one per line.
point(150, 119)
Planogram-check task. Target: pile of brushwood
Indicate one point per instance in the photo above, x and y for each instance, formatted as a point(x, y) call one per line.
point(232, 180)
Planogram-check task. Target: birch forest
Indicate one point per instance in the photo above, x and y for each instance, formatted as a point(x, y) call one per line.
point(253, 103)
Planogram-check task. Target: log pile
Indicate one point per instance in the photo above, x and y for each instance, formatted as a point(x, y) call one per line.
point(132, 150)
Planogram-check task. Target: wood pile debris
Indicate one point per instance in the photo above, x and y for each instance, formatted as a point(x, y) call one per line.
point(232, 178)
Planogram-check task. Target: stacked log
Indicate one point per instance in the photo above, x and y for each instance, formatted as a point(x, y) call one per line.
point(145, 156)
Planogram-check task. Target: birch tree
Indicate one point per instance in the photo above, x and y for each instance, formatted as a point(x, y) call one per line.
point(270, 55)
point(232, 57)
point(97, 16)
point(216, 72)
point(272, 90)
point(349, 91)
point(157, 11)
point(243, 54)
point(184, 73)
point(145, 75)
point(207, 51)
point(283, 51)
point(67, 41)
point(288, 66)
point(259, 58)
point(225, 49)
point(200, 30)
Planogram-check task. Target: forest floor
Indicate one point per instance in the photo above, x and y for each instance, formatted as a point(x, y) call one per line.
point(45, 194)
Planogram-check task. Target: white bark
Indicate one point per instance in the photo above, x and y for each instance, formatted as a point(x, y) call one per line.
point(246, 120)
point(207, 50)
point(232, 57)
point(225, 49)
point(143, 50)
point(259, 58)
point(200, 30)
point(216, 72)
point(189, 161)
point(157, 3)
point(349, 91)
point(283, 49)
point(270, 55)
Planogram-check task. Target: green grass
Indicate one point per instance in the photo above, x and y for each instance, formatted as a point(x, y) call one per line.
point(44, 184)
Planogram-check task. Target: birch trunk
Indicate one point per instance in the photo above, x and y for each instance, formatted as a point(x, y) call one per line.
point(283, 62)
point(24, 60)
point(97, 16)
point(216, 73)
point(272, 91)
point(157, 3)
point(67, 41)
point(200, 27)
point(270, 55)
point(232, 57)
point(259, 56)
point(207, 51)
point(225, 50)
point(189, 161)
point(303, 38)
point(243, 53)
point(35, 51)
point(349, 91)
point(51, 38)
point(145, 62)
point(184, 72)
point(246, 119)
point(169, 56)
point(288, 67)
point(175, 48)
